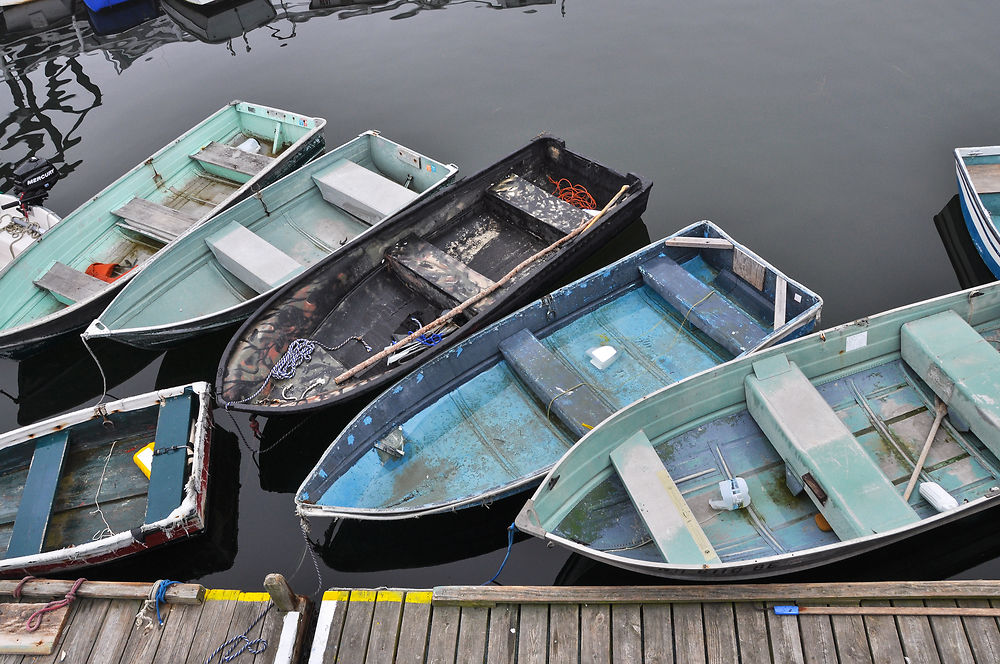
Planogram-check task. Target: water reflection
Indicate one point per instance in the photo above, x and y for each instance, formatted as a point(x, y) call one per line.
point(220, 22)
point(965, 259)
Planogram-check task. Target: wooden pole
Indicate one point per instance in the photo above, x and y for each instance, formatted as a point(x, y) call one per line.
point(438, 322)
point(940, 409)
point(281, 593)
point(183, 593)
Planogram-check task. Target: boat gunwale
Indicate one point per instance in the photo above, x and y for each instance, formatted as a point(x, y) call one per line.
point(978, 219)
point(303, 508)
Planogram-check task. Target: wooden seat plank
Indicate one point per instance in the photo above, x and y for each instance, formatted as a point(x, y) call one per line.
point(232, 159)
point(673, 527)
point(985, 177)
point(436, 274)
point(154, 220)
point(28, 536)
point(70, 286)
point(166, 476)
point(561, 389)
point(557, 216)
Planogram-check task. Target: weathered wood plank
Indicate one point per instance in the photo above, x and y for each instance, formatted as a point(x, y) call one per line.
point(413, 628)
point(714, 593)
point(159, 221)
point(985, 177)
point(533, 634)
point(595, 633)
point(689, 633)
point(16, 639)
point(916, 636)
point(786, 644)
point(626, 633)
point(751, 628)
point(983, 633)
point(852, 639)
point(213, 625)
point(444, 634)
point(883, 635)
point(949, 635)
point(472, 632)
point(270, 629)
point(385, 627)
point(720, 632)
point(143, 642)
point(68, 285)
point(357, 627)
point(249, 607)
point(564, 634)
point(77, 639)
point(114, 634)
point(501, 643)
point(232, 159)
point(35, 507)
point(657, 634)
point(178, 635)
point(699, 242)
point(329, 623)
point(818, 643)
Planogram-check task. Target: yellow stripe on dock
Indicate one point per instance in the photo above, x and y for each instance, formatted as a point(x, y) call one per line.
point(419, 597)
point(363, 595)
point(389, 596)
point(221, 594)
point(254, 597)
point(336, 595)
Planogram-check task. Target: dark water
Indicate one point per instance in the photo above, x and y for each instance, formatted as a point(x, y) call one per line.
point(819, 135)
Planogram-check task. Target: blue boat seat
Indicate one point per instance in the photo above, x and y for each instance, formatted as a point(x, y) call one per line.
point(32, 520)
point(961, 367)
point(843, 481)
point(153, 220)
point(558, 387)
point(674, 529)
point(707, 309)
point(69, 286)
point(250, 258)
point(367, 195)
point(548, 217)
point(231, 163)
point(436, 274)
point(166, 473)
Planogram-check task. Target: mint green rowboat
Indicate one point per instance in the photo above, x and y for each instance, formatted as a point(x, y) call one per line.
point(727, 473)
point(222, 271)
point(46, 291)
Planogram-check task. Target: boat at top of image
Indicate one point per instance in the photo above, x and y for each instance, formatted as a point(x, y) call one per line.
point(828, 447)
point(978, 171)
point(221, 272)
point(75, 487)
point(218, 22)
point(75, 268)
point(478, 250)
point(490, 417)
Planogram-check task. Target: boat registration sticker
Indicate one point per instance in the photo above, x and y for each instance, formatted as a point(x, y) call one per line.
point(856, 341)
point(747, 267)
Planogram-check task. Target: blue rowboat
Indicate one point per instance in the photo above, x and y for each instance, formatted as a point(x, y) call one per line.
point(829, 447)
point(489, 417)
point(978, 171)
point(47, 291)
point(222, 271)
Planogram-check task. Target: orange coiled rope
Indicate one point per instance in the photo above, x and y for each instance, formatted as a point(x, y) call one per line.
point(574, 194)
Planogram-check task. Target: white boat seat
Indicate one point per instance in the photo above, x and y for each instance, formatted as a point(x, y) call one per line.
point(363, 193)
point(560, 389)
point(960, 366)
point(153, 220)
point(69, 286)
point(436, 274)
point(985, 177)
point(706, 308)
point(250, 258)
point(843, 481)
point(231, 163)
point(675, 530)
point(550, 217)
point(32, 521)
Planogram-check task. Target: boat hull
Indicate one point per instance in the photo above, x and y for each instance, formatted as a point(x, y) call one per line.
point(978, 219)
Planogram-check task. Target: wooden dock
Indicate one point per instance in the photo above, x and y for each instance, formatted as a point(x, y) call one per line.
point(106, 624)
point(874, 623)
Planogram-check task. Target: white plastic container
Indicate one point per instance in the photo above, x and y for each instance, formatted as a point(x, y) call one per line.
point(735, 495)
point(602, 357)
point(935, 494)
point(250, 145)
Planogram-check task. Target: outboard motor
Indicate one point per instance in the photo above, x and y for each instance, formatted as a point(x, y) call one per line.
point(31, 182)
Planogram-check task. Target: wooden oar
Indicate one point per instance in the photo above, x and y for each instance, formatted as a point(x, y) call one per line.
point(434, 324)
point(886, 611)
point(940, 408)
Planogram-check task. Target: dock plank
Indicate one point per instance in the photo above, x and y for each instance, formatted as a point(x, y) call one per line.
point(270, 630)
point(180, 632)
point(385, 627)
point(413, 628)
point(444, 634)
point(949, 635)
point(626, 633)
point(720, 632)
point(501, 643)
point(472, 631)
point(114, 633)
point(595, 633)
point(245, 620)
point(983, 633)
point(916, 635)
point(77, 640)
point(818, 643)
point(533, 634)
point(657, 634)
point(689, 633)
point(213, 625)
point(852, 639)
point(786, 642)
point(143, 642)
point(357, 627)
point(329, 624)
point(883, 635)
point(751, 628)
point(564, 634)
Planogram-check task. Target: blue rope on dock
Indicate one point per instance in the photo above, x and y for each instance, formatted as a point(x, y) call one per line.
point(161, 597)
point(511, 529)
